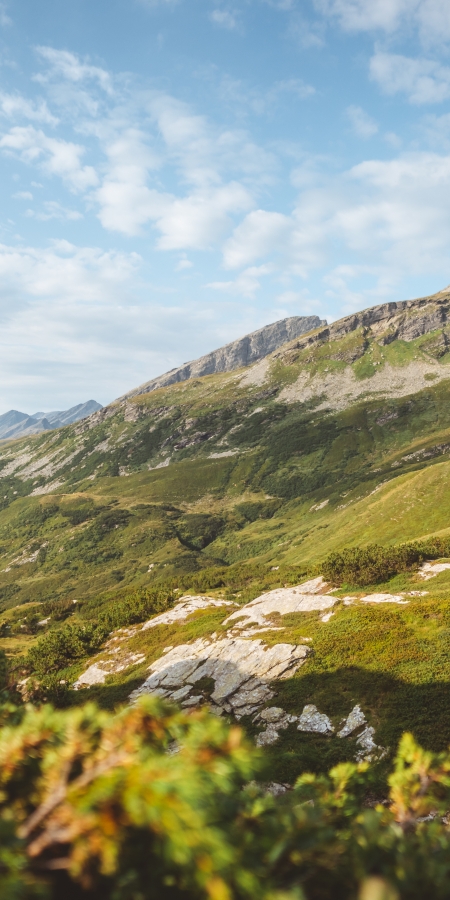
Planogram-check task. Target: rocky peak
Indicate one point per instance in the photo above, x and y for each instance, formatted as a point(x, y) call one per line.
point(242, 352)
point(402, 320)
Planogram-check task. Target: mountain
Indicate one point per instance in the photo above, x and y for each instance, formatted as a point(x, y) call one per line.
point(15, 424)
point(237, 491)
point(243, 352)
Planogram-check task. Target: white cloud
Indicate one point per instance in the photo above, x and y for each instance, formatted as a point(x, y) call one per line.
point(225, 18)
point(399, 216)
point(433, 17)
point(260, 234)
point(367, 15)
point(382, 220)
point(246, 284)
point(5, 20)
point(430, 17)
point(200, 220)
point(422, 80)
point(363, 125)
point(74, 325)
point(126, 202)
point(436, 130)
point(243, 99)
point(293, 86)
point(16, 106)
point(67, 65)
point(61, 271)
point(193, 218)
point(183, 264)
point(54, 156)
point(54, 210)
point(23, 195)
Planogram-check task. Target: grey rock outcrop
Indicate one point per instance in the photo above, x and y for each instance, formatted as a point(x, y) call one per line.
point(400, 320)
point(243, 352)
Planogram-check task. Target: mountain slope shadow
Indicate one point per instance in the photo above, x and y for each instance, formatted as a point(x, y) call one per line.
point(391, 706)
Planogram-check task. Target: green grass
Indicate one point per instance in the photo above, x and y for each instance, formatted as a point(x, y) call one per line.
point(301, 484)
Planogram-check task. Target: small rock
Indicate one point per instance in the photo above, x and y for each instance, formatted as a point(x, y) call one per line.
point(272, 714)
point(184, 607)
point(354, 720)
point(277, 717)
point(368, 747)
point(93, 675)
point(269, 736)
point(276, 789)
point(312, 720)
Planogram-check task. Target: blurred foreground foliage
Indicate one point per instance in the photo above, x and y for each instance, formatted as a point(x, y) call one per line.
point(150, 802)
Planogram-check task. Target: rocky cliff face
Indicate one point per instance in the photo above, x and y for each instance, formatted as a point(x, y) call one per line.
point(404, 320)
point(243, 352)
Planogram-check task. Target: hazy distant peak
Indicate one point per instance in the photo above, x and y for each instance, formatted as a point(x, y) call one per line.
point(15, 424)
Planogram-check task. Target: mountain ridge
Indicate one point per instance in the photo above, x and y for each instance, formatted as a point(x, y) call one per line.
point(242, 352)
point(15, 424)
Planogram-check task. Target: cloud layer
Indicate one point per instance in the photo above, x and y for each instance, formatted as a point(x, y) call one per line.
point(150, 220)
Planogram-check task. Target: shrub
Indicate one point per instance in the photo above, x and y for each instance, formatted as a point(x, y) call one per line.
point(372, 564)
point(60, 648)
point(136, 608)
point(368, 565)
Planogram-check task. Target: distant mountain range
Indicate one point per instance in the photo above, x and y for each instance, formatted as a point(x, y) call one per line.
point(15, 424)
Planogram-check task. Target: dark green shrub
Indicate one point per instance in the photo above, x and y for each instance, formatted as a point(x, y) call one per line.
point(60, 648)
point(137, 608)
point(372, 564)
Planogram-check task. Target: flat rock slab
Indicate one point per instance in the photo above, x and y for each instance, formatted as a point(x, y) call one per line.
point(240, 669)
point(384, 598)
point(184, 608)
point(430, 569)
point(305, 597)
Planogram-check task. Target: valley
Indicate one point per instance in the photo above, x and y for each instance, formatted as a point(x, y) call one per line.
point(211, 492)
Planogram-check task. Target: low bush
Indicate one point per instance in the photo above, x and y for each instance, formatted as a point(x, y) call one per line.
point(62, 647)
point(136, 608)
point(374, 563)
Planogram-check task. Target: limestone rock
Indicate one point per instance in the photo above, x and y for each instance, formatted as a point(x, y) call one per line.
point(241, 671)
point(367, 746)
point(275, 719)
point(267, 737)
point(93, 675)
point(354, 720)
point(384, 598)
point(430, 569)
point(184, 608)
point(312, 720)
point(302, 598)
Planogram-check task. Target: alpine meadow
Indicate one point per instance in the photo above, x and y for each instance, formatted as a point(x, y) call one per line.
point(224, 624)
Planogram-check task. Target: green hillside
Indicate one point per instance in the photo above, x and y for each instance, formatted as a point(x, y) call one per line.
point(235, 484)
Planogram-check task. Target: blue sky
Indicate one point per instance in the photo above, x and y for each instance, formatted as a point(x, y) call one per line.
point(176, 173)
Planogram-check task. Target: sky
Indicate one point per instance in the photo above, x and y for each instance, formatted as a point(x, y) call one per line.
point(177, 173)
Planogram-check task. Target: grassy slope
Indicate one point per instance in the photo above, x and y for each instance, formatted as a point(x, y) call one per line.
point(380, 467)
